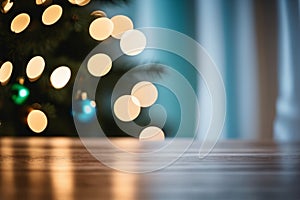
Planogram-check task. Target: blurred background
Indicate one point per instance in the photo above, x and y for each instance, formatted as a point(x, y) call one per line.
point(254, 43)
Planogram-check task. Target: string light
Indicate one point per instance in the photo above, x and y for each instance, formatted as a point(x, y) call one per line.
point(133, 42)
point(40, 2)
point(127, 108)
point(98, 13)
point(101, 28)
point(52, 14)
point(5, 72)
point(145, 92)
point(60, 77)
point(72, 1)
point(6, 6)
point(122, 24)
point(152, 133)
point(82, 2)
point(37, 121)
point(99, 64)
point(84, 109)
point(35, 68)
point(20, 93)
point(20, 23)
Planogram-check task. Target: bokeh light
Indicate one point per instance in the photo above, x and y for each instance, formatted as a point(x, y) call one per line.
point(122, 24)
point(20, 93)
point(20, 23)
point(133, 42)
point(152, 133)
point(72, 1)
point(99, 64)
point(127, 108)
point(101, 28)
point(60, 77)
point(5, 72)
point(37, 121)
point(23, 93)
point(52, 14)
point(82, 2)
point(35, 68)
point(6, 6)
point(145, 92)
point(84, 110)
point(98, 13)
point(40, 2)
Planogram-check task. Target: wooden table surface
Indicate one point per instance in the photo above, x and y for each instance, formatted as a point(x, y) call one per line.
point(61, 168)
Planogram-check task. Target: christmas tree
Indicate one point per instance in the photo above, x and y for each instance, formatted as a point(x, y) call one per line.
point(63, 39)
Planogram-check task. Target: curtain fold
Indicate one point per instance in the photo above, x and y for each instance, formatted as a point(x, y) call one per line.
point(227, 30)
point(287, 124)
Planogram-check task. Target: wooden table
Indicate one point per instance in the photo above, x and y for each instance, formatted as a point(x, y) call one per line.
point(61, 168)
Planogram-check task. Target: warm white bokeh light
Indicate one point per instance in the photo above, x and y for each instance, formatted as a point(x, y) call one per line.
point(35, 68)
point(101, 28)
point(99, 64)
point(20, 23)
point(60, 77)
point(145, 92)
point(98, 13)
point(122, 24)
point(7, 5)
point(72, 1)
point(5, 72)
point(82, 2)
point(133, 42)
point(37, 121)
point(40, 2)
point(152, 133)
point(127, 108)
point(52, 14)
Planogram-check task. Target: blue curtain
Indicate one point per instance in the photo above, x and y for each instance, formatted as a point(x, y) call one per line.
point(287, 124)
point(227, 30)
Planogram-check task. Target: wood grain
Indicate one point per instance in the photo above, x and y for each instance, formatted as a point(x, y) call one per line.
point(61, 168)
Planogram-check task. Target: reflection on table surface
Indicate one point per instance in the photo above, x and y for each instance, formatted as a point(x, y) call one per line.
point(61, 168)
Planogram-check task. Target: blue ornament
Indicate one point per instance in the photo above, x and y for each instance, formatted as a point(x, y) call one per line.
point(84, 110)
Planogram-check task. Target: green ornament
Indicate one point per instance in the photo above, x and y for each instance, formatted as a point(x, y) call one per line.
point(20, 93)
